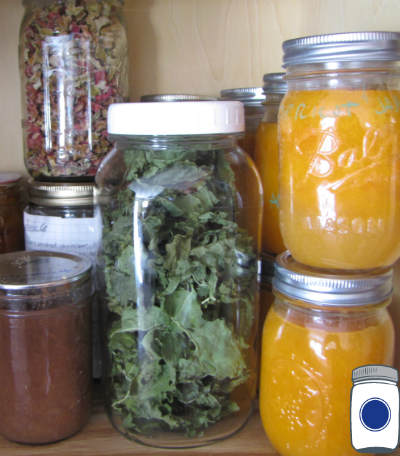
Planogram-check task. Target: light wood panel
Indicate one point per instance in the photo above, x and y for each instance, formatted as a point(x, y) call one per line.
point(197, 46)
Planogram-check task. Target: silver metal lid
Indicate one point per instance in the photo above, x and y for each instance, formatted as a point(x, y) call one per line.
point(27, 273)
point(375, 372)
point(324, 289)
point(354, 46)
point(60, 194)
point(247, 95)
point(275, 83)
point(169, 97)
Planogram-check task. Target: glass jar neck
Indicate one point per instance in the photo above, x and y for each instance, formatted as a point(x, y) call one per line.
point(155, 142)
point(371, 75)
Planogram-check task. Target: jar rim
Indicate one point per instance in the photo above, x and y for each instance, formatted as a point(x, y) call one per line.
point(331, 288)
point(342, 47)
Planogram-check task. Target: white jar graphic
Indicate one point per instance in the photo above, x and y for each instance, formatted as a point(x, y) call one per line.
point(375, 409)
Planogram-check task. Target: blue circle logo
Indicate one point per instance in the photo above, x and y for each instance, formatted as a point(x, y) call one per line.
point(375, 414)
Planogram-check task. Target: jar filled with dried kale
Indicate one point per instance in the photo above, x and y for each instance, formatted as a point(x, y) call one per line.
point(45, 345)
point(73, 65)
point(179, 260)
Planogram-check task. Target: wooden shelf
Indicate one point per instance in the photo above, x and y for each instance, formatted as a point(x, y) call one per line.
point(99, 438)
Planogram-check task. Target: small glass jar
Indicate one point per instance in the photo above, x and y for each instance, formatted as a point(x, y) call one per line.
point(253, 99)
point(266, 159)
point(339, 147)
point(168, 97)
point(321, 326)
point(45, 348)
point(11, 206)
point(61, 217)
point(73, 65)
point(179, 266)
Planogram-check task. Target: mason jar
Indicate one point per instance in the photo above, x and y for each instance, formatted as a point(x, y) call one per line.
point(62, 217)
point(252, 99)
point(339, 150)
point(45, 349)
point(11, 207)
point(321, 326)
point(266, 159)
point(73, 65)
point(178, 266)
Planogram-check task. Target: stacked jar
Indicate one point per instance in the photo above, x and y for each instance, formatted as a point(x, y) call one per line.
point(339, 180)
point(179, 262)
point(73, 65)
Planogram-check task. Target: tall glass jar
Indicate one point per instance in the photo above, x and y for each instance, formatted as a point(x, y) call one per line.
point(340, 150)
point(266, 159)
point(179, 273)
point(45, 349)
point(320, 327)
point(73, 65)
point(252, 99)
point(11, 207)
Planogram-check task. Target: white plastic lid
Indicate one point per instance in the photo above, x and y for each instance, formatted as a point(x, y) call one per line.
point(178, 118)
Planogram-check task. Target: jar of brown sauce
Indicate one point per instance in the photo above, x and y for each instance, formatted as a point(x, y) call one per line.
point(11, 223)
point(45, 345)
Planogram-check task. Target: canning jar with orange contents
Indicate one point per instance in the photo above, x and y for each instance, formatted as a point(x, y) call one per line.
point(266, 159)
point(320, 327)
point(339, 128)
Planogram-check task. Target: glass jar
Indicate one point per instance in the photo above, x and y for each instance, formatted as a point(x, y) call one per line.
point(321, 326)
point(11, 205)
point(253, 99)
point(179, 266)
point(175, 97)
point(73, 65)
point(61, 217)
point(339, 150)
point(266, 159)
point(44, 346)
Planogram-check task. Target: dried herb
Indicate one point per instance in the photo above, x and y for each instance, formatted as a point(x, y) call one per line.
point(73, 58)
point(180, 283)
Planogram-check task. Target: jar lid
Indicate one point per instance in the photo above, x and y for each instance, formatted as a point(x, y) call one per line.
point(9, 178)
point(275, 83)
point(353, 46)
point(37, 272)
point(375, 372)
point(247, 95)
point(175, 97)
point(333, 288)
point(179, 118)
point(60, 194)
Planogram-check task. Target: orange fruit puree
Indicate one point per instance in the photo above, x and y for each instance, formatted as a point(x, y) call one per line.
point(340, 177)
point(267, 161)
point(305, 383)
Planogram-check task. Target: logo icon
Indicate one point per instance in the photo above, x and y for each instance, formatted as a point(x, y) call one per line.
point(374, 409)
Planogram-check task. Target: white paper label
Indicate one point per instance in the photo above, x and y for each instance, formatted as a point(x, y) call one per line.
point(80, 236)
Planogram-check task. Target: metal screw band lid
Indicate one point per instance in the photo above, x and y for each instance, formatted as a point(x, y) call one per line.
point(60, 194)
point(375, 372)
point(330, 289)
point(247, 95)
point(342, 47)
point(275, 83)
point(170, 97)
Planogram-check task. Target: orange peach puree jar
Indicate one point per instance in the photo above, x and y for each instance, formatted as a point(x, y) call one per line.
point(266, 159)
point(339, 128)
point(320, 327)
